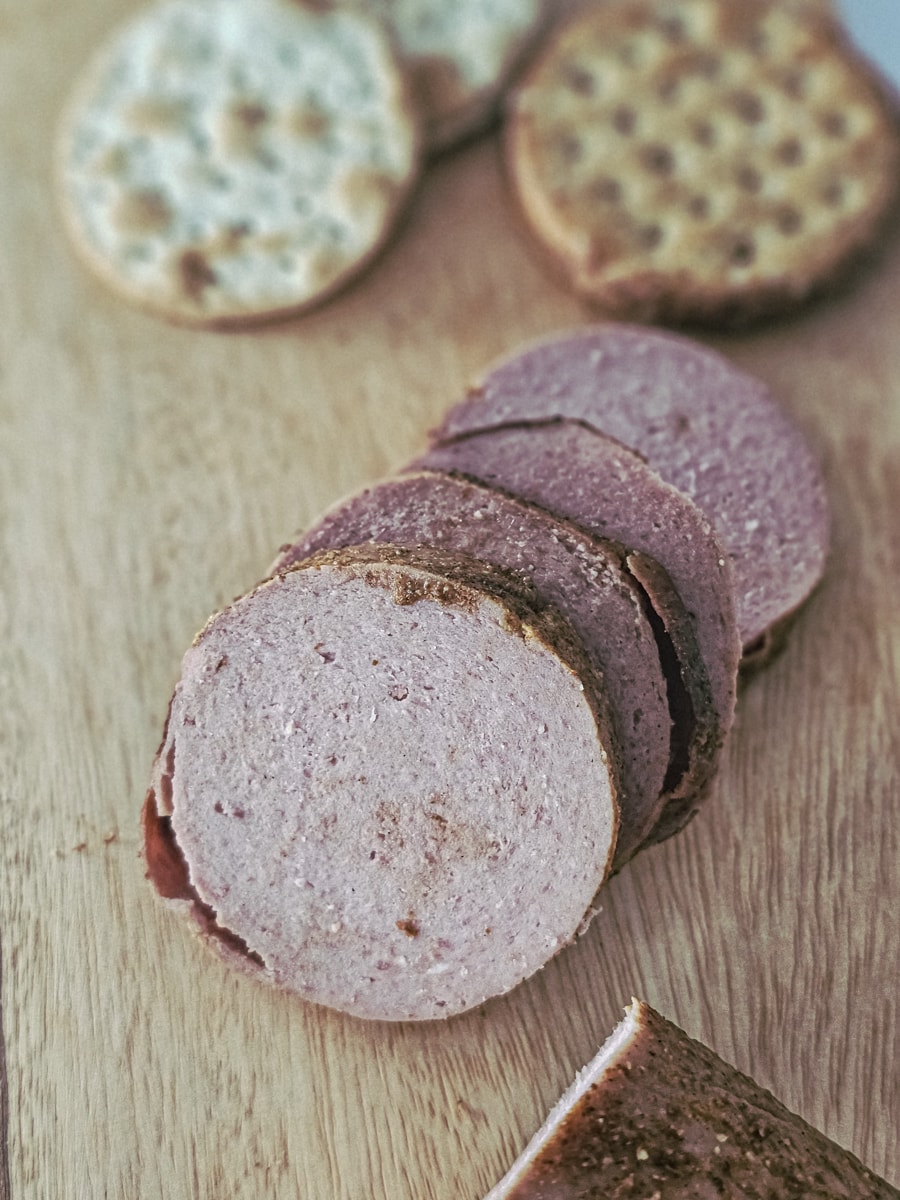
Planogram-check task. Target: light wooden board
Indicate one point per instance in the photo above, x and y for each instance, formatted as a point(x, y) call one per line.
point(149, 473)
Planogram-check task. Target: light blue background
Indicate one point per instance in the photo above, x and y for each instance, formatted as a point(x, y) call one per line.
point(875, 27)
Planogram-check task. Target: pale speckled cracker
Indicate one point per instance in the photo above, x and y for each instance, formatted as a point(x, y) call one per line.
point(460, 55)
point(700, 159)
point(223, 161)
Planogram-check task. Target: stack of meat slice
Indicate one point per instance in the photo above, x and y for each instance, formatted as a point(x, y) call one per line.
point(395, 774)
point(711, 430)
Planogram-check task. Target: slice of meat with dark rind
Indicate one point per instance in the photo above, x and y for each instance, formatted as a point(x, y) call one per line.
point(657, 1114)
point(378, 766)
point(587, 580)
point(608, 490)
point(709, 428)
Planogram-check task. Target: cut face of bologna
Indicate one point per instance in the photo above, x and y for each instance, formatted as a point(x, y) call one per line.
point(377, 768)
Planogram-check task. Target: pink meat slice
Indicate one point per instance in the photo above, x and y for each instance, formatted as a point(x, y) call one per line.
point(606, 489)
point(707, 427)
point(585, 579)
point(377, 767)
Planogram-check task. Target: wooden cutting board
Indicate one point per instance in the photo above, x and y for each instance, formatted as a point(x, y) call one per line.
point(147, 474)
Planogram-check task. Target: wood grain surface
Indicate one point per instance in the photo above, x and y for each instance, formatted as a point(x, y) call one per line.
point(149, 473)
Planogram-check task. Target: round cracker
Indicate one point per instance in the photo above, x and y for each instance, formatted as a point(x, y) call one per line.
point(698, 160)
point(460, 57)
point(223, 161)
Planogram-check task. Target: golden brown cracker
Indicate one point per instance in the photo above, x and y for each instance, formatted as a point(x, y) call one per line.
point(700, 160)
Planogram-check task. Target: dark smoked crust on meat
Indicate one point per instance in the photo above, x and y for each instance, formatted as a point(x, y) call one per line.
point(696, 745)
point(681, 792)
point(167, 868)
point(451, 577)
point(168, 871)
point(669, 1118)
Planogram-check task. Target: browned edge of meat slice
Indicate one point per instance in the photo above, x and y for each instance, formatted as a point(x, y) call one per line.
point(685, 786)
point(168, 871)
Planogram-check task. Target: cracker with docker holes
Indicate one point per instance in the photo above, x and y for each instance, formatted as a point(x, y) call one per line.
point(460, 55)
point(225, 161)
point(702, 160)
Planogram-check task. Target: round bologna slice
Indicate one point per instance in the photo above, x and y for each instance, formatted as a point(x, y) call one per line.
point(585, 579)
point(227, 161)
point(656, 1113)
point(609, 491)
point(707, 427)
point(376, 770)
